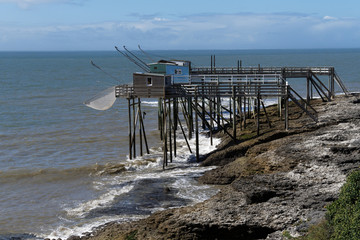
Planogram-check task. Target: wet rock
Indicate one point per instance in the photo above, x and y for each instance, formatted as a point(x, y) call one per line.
point(74, 238)
point(344, 149)
point(167, 190)
point(356, 101)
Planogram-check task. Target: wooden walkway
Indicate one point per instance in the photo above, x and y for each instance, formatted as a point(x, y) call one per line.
point(286, 72)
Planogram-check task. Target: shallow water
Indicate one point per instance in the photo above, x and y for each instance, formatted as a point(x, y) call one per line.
point(54, 149)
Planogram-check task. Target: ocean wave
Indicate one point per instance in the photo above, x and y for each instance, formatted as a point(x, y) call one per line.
point(103, 201)
point(53, 174)
point(86, 227)
point(150, 103)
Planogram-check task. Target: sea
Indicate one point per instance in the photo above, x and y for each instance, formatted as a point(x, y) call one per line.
point(56, 152)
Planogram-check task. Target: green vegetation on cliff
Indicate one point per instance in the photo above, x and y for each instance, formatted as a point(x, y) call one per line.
point(343, 215)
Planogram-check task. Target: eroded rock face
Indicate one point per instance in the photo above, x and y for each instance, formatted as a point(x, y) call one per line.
point(281, 181)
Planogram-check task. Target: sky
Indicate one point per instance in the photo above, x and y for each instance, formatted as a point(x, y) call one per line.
point(61, 25)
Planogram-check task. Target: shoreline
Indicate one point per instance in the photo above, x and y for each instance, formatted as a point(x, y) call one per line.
point(279, 181)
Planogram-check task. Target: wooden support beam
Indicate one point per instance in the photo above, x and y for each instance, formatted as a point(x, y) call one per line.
point(170, 133)
point(307, 91)
point(211, 122)
point(165, 157)
point(287, 109)
point(267, 117)
point(258, 112)
point(175, 119)
point(218, 103)
point(140, 132)
point(241, 112)
point(245, 112)
point(133, 143)
point(221, 127)
point(160, 120)
point(134, 140)
point(317, 88)
point(234, 109)
point(183, 132)
point(143, 130)
point(129, 130)
point(328, 96)
point(196, 129)
point(190, 116)
point(331, 83)
point(185, 113)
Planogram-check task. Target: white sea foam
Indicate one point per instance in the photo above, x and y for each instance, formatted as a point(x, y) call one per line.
point(86, 227)
point(103, 201)
point(193, 191)
point(150, 103)
point(183, 170)
point(154, 159)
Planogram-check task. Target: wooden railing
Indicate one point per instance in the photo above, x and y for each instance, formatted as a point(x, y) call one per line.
point(289, 71)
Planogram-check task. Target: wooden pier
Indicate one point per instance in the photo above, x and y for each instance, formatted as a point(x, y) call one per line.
point(218, 99)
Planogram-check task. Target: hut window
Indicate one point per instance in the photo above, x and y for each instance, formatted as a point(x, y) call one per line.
point(149, 81)
point(155, 67)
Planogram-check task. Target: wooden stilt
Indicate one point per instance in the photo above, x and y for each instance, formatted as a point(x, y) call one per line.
point(140, 132)
point(287, 109)
point(317, 89)
point(221, 127)
point(230, 109)
point(241, 113)
point(170, 133)
point(129, 130)
point(279, 105)
point(165, 133)
point(245, 112)
point(183, 108)
point(190, 117)
point(234, 110)
point(307, 91)
point(196, 129)
point(214, 107)
point(175, 119)
point(160, 116)
point(331, 83)
point(214, 65)
point(258, 112)
point(203, 105)
point(143, 130)
point(218, 111)
point(249, 108)
point(183, 132)
point(135, 126)
point(211, 122)
point(134, 138)
point(267, 117)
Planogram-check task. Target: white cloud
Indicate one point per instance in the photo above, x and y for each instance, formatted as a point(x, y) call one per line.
point(335, 25)
point(27, 3)
point(159, 19)
point(196, 32)
point(329, 18)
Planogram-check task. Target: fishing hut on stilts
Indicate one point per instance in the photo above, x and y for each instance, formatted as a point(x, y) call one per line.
point(214, 98)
